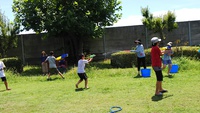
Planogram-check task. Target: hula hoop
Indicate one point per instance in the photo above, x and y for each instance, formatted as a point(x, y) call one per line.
point(114, 111)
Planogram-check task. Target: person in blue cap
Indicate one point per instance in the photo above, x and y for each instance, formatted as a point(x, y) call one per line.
point(167, 60)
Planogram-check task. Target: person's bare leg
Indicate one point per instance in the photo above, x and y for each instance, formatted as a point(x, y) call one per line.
point(86, 83)
point(158, 87)
point(61, 75)
point(78, 83)
point(164, 66)
point(6, 84)
point(48, 76)
point(169, 68)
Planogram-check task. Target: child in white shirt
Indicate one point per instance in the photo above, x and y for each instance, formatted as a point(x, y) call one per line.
point(2, 75)
point(81, 70)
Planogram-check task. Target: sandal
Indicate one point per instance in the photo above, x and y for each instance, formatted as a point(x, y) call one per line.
point(163, 91)
point(159, 94)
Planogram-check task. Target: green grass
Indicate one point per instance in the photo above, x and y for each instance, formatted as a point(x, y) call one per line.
point(32, 93)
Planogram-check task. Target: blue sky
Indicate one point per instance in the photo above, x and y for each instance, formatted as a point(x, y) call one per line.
point(6, 8)
point(185, 10)
point(133, 7)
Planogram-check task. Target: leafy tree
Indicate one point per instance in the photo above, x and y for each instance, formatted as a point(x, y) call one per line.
point(71, 20)
point(161, 24)
point(8, 38)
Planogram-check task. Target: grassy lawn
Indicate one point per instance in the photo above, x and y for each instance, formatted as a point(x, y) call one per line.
point(32, 93)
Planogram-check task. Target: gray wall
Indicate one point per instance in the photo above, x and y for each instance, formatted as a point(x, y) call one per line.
point(115, 39)
point(30, 47)
point(122, 38)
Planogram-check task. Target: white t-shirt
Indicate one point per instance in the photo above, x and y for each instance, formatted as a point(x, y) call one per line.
point(52, 61)
point(2, 74)
point(81, 66)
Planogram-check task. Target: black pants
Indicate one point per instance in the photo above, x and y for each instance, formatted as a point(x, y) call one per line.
point(139, 61)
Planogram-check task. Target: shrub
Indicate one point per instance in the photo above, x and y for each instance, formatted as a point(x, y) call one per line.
point(186, 51)
point(123, 59)
point(14, 64)
point(148, 56)
point(126, 59)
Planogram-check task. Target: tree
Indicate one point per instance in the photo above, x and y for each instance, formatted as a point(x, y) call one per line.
point(8, 38)
point(161, 24)
point(71, 20)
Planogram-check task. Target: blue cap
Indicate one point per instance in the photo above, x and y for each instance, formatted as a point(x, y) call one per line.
point(168, 47)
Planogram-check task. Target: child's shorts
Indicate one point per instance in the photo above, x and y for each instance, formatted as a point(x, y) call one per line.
point(82, 76)
point(3, 78)
point(167, 62)
point(53, 70)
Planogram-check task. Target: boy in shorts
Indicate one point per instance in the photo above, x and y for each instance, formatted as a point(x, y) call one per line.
point(81, 70)
point(2, 75)
point(156, 65)
point(52, 65)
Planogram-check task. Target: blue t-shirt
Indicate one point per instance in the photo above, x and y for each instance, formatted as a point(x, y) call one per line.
point(43, 58)
point(166, 56)
point(140, 51)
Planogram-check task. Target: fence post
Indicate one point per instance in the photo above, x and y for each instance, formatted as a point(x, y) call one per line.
point(104, 42)
point(146, 36)
point(189, 33)
point(22, 42)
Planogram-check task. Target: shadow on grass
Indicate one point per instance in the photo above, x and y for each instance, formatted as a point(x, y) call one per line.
point(2, 90)
point(169, 76)
point(79, 89)
point(53, 79)
point(158, 98)
point(138, 76)
point(101, 65)
point(32, 72)
point(35, 72)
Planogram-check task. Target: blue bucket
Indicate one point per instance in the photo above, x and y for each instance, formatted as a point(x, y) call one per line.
point(146, 72)
point(174, 68)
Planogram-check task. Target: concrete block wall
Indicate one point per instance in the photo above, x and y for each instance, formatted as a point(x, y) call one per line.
point(115, 39)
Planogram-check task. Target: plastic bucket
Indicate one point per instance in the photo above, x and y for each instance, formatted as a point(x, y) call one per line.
point(146, 72)
point(174, 68)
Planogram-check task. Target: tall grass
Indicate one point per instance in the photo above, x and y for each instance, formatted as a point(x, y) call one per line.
point(32, 93)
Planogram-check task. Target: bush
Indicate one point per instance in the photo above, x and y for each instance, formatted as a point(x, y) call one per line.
point(186, 51)
point(14, 64)
point(126, 59)
point(123, 59)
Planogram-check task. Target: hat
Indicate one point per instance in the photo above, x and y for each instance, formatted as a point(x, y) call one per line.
point(169, 43)
point(155, 40)
point(139, 41)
